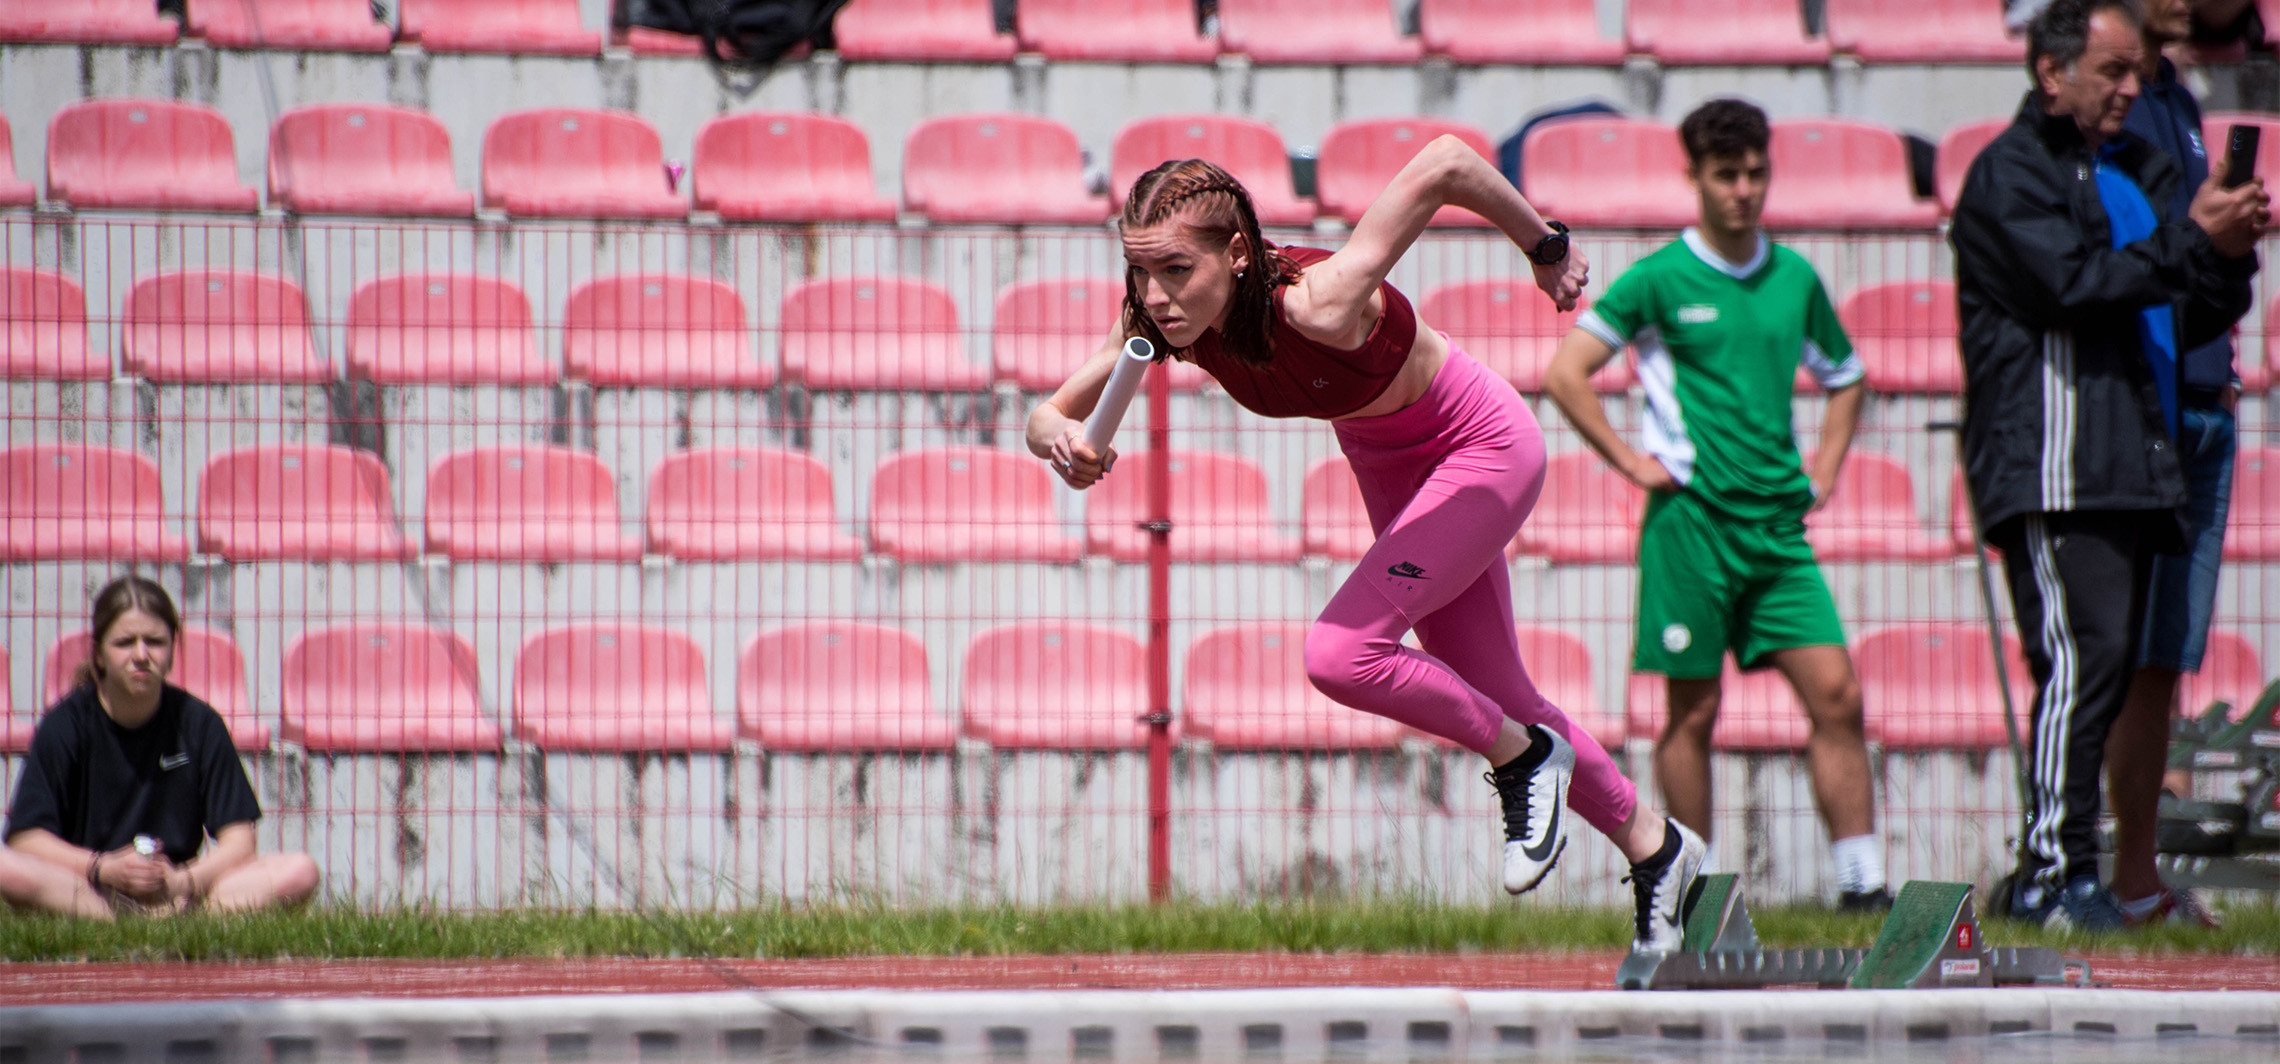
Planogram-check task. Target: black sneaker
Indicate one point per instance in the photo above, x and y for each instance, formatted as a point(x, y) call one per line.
point(1533, 788)
point(1865, 901)
point(1659, 885)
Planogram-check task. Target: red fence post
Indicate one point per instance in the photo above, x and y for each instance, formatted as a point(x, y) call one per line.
point(1159, 528)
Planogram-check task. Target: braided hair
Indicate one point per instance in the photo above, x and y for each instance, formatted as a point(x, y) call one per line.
point(1211, 202)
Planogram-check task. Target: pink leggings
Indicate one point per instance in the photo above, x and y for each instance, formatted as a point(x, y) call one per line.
point(1447, 481)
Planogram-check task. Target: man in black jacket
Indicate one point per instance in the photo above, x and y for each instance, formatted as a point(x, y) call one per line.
point(2074, 297)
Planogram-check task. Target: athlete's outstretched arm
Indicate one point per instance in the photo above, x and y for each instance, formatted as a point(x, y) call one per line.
point(1837, 425)
point(1568, 382)
point(1057, 427)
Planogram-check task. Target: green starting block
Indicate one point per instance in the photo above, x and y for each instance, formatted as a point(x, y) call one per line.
point(1931, 939)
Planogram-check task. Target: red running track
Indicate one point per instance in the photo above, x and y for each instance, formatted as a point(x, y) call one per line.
point(70, 983)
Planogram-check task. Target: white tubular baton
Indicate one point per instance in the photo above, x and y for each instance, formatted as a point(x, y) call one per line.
point(1123, 384)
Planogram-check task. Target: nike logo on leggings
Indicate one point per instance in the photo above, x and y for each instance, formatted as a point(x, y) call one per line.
point(1408, 571)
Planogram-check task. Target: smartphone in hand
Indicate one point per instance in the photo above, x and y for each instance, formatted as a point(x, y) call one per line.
point(2240, 154)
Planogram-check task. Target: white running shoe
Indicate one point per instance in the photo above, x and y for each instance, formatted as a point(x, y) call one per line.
point(1660, 891)
point(1535, 806)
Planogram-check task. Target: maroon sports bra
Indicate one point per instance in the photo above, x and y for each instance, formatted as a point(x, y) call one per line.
point(1307, 379)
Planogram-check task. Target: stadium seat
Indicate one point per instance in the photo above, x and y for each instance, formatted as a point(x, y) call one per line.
point(967, 504)
point(1905, 335)
point(137, 154)
point(1872, 516)
point(2258, 376)
point(15, 732)
point(615, 688)
point(1134, 31)
point(1959, 516)
point(1931, 685)
point(220, 326)
point(1958, 147)
point(1837, 174)
point(1537, 33)
point(443, 328)
point(536, 504)
point(86, 22)
point(1921, 31)
point(838, 686)
point(1560, 665)
point(2231, 672)
point(378, 687)
point(1246, 689)
point(13, 191)
point(1060, 685)
point(1513, 328)
point(659, 330)
point(877, 334)
point(1315, 32)
point(314, 502)
point(1724, 33)
point(207, 663)
point(786, 166)
point(1758, 711)
point(1043, 330)
point(1218, 511)
point(525, 27)
point(1608, 173)
point(563, 162)
point(2252, 532)
point(998, 168)
point(1587, 514)
point(1333, 520)
point(78, 501)
point(43, 325)
point(1247, 148)
point(922, 31)
point(1359, 159)
point(290, 25)
point(745, 504)
point(354, 158)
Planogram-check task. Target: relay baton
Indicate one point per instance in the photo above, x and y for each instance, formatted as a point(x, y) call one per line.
point(1123, 384)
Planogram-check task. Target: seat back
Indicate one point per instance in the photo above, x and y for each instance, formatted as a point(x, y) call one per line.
point(744, 502)
point(1246, 688)
point(1608, 171)
point(839, 685)
point(43, 327)
point(966, 504)
point(144, 154)
point(381, 686)
point(86, 22)
point(443, 328)
point(1905, 332)
point(963, 167)
point(307, 501)
point(921, 30)
point(882, 333)
point(219, 325)
point(1359, 158)
point(743, 160)
point(568, 161)
point(1958, 147)
point(1042, 330)
point(1511, 327)
point(363, 158)
point(659, 330)
point(290, 25)
point(1133, 31)
point(1586, 513)
point(1843, 174)
point(1932, 684)
point(614, 687)
point(74, 500)
point(533, 502)
point(1055, 684)
point(1218, 509)
point(1335, 521)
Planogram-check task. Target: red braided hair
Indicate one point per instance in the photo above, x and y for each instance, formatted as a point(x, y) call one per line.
point(1211, 202)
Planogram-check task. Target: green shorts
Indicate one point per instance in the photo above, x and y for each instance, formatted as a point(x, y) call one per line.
point(1709, 583)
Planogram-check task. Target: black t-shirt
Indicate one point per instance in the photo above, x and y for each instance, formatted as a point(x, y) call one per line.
point(95, 784)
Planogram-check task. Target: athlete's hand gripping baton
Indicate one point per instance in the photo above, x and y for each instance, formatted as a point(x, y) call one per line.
point(1123, 384)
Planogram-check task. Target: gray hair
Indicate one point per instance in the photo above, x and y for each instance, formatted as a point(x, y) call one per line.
point(2061, 30)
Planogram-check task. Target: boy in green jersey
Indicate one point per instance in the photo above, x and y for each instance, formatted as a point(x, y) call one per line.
point(1721, 319)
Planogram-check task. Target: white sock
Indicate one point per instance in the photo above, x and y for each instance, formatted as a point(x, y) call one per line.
point(1860, 863)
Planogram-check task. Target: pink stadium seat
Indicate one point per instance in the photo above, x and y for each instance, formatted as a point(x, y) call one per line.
point(1134, 31)
point(290, 25)
point(838, 686)
point(137, 154)
point(1836, 174)
point(2231, 672)
point(534, 504)
point(354, 158)
point(2252, 532)
point(443, 328)
point(1931, 685)
point(314, 502)
point(1247, 689)
point(1608, 172)
point(13, 192)
point(659, 330)
point(1905, 334)
point(207, 663)
point(43, 328)
point(1247, 148)
point(15, 732)
point(1872, 516)
point(1724, 33)
point(86, 22)
point(1334, 520)
point(615, 688)
point(220, 326)
point(1059, 685)
point(378, 687)
point(1587, 515)
point(1959, 517)
point(967, 504)
point(1921, 31)
point(1218, 511)
point(73, 500)
point(877, 333)
point(786, 166)
point(1540, 32)
point(1358, 160)
point(921, 31)
point(1560, 665)
point(1513, 328)
point(1315, 32)
point(1758, 711)
point(745, 504)
point(998, 168)
point(561, 162)
point(2257, 375)
point(528, 27)
point(1044, 330)
point(1958, 147)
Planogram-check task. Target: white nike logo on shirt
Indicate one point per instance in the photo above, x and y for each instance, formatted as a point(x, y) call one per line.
point(173, 761)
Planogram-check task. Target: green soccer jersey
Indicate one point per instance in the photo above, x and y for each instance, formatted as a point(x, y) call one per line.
point(1719, 345)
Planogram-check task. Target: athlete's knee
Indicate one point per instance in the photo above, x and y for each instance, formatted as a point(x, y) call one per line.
point(1343, 663)
point(297, 878)
point(1693, 710)
point(1836, 706)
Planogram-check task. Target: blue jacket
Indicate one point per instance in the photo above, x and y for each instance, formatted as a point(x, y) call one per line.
point(2167, 117)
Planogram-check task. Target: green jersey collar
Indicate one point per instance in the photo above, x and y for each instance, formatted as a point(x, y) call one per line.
point(1710, 257)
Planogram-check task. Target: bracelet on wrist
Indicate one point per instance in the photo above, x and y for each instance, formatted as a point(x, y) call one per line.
point(95, 870)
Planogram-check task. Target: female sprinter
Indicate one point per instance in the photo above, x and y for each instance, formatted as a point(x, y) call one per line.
point(1449, 459)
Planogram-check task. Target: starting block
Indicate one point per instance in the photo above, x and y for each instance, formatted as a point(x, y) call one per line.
point(1931, 939)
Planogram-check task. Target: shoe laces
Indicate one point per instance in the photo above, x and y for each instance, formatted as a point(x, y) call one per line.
point(1643, 884)
point(1512, 788)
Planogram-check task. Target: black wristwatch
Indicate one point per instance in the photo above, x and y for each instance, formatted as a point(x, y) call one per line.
point(1553, 249)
